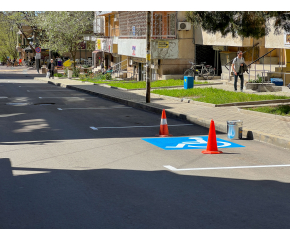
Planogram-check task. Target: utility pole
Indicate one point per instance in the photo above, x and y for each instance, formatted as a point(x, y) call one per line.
point(148, 57)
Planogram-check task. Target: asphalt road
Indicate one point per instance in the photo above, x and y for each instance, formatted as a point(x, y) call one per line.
point(58, 172)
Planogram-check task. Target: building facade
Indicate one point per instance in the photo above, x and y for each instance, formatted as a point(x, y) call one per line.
point(121, 43)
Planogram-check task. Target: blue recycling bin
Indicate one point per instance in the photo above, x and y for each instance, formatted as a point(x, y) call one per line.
point(188, 82)
point(277, 81)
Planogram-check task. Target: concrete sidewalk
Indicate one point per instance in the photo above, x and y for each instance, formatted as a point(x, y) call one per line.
point(260, 127)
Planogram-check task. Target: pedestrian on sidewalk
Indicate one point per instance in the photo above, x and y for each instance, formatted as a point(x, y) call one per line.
point(51, 67)
point(237, 65)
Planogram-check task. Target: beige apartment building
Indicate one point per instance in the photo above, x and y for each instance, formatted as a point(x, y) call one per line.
point(121, 42)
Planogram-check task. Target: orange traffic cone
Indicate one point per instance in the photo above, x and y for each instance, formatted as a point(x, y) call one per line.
point(163, 132)
point(211, 142)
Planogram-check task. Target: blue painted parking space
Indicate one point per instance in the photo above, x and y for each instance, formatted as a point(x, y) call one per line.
point(185, 143)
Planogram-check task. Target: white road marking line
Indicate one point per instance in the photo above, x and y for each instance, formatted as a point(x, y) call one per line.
point(177, 125)
point(50, 90)
point(37, 86)
point(66, 97)
point(92, 108)
point(59, 109)
point(221, 168)
point(28, 91)
point(3, 97)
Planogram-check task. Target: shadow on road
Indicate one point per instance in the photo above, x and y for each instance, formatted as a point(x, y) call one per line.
point(22, 123)
point(120, 198)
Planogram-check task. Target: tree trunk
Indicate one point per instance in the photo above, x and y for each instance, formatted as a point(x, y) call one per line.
point(73, 54)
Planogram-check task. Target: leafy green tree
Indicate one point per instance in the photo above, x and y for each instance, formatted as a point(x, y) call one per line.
point(8, 40)
point(64, 31)
point(241, 23)
point(24, 21)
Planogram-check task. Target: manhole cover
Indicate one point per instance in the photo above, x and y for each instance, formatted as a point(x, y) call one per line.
point(17, 104)
point(43, 104)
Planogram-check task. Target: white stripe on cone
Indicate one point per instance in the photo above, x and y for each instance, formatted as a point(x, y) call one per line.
point(163, 122)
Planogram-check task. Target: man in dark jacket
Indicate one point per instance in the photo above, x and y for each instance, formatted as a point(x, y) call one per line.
point(237, 66)
point(50, 67)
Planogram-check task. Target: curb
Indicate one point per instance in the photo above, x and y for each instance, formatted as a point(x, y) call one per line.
point(219, 126)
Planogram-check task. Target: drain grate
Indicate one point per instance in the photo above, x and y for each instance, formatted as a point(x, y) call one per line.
point(43, 104)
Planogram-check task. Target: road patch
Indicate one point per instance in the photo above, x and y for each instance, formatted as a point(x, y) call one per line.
point(185, 143)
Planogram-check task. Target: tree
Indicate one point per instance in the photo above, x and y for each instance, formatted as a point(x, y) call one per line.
point(64, 31)
point(8, 40)
point(244, 23)
point(26, 22)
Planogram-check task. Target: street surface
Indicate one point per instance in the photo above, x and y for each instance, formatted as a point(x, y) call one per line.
point(72, 160)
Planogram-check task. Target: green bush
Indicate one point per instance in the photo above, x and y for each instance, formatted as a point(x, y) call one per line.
point(65, 72)
point(108, 76)
point(258, 80)
point(76, 72)
point(58, 75)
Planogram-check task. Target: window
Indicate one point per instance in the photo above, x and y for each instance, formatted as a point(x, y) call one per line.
point(171, 24)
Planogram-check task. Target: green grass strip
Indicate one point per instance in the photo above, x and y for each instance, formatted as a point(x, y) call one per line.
point(215, 96)
point(159, 83)
point(283, 110)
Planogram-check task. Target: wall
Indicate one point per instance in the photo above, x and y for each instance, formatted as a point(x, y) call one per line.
point(205, 38)
point(186, 47)
point(177, 66)
point(125, 47)
point(171, 52)
point(217, 39)
point(272, 40)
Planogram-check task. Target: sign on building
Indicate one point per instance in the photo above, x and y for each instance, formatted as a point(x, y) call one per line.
point(99, 46)
point(163, 44)
point(134, 50)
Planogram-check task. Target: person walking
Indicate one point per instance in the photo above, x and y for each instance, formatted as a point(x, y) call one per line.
point(237, 67)
point(8, 62)
point(51, 67)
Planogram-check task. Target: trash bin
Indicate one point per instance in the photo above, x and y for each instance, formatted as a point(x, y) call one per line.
point(188, 82)
point(69, 74)
point(277, 81)
point(235, 129)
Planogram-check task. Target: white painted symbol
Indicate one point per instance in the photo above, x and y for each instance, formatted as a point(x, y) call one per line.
point(59, 109)
point(198, 140)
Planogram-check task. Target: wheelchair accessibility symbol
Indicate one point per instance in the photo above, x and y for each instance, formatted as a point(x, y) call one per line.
point(185, 143)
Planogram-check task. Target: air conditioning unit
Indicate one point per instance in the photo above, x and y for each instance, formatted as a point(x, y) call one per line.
point(130, 62)
point(184, 26)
